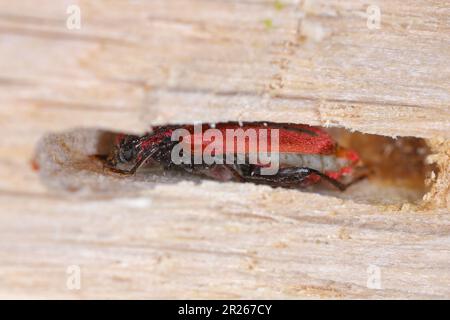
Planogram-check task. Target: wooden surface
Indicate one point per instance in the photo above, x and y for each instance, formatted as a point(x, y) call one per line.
point(201, 60)
point(136, 63)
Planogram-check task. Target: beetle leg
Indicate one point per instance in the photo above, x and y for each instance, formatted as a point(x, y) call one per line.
point(233, 169)
point(236, 170)
point(292, 176)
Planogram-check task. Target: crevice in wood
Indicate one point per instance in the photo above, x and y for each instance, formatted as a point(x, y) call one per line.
point(402, 173)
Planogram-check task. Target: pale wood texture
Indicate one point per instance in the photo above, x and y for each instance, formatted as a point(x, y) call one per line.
point(136, 63)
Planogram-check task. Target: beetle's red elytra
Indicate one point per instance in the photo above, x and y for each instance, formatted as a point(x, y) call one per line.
point(304, 154)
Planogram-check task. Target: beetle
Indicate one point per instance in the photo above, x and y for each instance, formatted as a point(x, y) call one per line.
point(307, 155)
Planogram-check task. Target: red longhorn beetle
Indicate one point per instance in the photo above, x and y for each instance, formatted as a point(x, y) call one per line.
point(306, 155)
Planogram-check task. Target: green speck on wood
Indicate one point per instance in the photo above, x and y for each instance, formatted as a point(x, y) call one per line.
point(268, 23)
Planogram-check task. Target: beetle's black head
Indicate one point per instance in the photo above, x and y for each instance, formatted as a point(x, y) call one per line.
point(125, 151)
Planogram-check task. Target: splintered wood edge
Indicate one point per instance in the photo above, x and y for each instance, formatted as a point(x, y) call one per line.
point(439, 195)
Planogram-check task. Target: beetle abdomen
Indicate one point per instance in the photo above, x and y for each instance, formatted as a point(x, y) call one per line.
point(314, 161)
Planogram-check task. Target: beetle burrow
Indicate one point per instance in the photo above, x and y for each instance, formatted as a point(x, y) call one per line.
point(306, 154)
